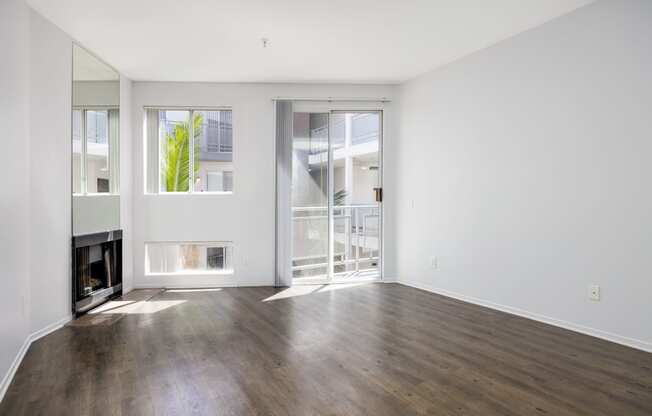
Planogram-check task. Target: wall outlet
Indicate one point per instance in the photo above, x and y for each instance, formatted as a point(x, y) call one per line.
point(594, 292)
point(434, 262)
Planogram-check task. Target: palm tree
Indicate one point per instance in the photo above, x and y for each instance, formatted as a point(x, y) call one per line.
point(175, 163)
point(339, 197)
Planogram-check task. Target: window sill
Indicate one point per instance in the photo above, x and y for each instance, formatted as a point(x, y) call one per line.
point(97, 194)
point(194, 273)
point(189, 193)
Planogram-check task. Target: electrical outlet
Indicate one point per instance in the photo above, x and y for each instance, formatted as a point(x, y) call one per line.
point(594, 292)
point(434, 262)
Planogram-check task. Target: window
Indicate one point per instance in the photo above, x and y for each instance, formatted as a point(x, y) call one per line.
point(195, 150)
point(94, 141)
point(215, 258)
point(189, 258)
point(219, 181)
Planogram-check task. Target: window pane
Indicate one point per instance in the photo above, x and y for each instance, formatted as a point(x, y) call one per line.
point(76, 151)
point(213, 151)
point(189, 258)
point(174, 151)
point(97, 151)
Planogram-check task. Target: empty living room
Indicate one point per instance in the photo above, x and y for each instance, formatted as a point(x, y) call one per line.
point(347, 207)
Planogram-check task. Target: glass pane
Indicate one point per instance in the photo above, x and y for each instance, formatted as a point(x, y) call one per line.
point(174, 150)
point(189, 258)
point(97, 151)
point(76, 151)
point(213, 151)
point(355, 140)
point(310, 195)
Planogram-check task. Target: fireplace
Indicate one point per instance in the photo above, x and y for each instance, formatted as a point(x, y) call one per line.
point(97, 269)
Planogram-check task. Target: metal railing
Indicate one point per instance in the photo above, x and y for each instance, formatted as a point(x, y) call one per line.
point(217, 148)
point(356, 239)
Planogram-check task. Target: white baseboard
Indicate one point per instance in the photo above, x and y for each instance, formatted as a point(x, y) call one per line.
point(50, 328)
point(255, 284)
point(181, 286)
point(202, 286)
point(9, 376)
point(618, 339)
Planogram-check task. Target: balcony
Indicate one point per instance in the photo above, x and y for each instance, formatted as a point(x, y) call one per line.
point(356, 241)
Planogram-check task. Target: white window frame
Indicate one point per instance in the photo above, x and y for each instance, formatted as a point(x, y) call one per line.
point(191, 185)
point(208, 272)
point(114, 188)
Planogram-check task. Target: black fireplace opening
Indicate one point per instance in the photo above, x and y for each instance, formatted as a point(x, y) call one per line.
point(97, 269)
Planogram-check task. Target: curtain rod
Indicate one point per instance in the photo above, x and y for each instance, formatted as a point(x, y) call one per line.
point(329, 99)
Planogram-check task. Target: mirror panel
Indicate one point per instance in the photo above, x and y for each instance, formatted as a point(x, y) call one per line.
point(95, 144)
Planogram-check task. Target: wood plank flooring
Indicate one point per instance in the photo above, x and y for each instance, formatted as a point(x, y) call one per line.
point(373, 349)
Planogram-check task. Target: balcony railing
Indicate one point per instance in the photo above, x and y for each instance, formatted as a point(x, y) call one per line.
point(356, 240)
point(217, 148)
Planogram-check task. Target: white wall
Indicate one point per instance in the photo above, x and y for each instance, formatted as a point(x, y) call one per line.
point(14, 203)
point(247, 216)
point(35, 208)
point(50, 173)
point(525, 168)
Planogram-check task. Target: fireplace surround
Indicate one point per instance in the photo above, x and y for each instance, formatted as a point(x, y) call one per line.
point(97, 269)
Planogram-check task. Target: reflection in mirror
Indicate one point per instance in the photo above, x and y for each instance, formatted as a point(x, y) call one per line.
point(95, 144)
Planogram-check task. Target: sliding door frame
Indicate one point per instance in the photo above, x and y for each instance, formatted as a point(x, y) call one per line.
point(331, 170)
point(331, 108)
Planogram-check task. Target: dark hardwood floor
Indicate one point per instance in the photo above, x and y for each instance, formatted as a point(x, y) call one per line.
point(374, 349)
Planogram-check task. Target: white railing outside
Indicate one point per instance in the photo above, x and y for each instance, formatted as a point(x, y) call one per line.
point(356, 239)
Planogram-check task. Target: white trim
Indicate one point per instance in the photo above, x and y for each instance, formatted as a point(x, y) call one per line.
point(254, 284)
point(218, 193)
point(336, 99)
point(49, 329)
point(188, 108)
point(9, 376)
point(202, 286)
point(190, 273)
point(183, 286)
point(607, 336)
point(6, 381)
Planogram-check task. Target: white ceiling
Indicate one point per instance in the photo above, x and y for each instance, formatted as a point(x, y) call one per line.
point(369, 41)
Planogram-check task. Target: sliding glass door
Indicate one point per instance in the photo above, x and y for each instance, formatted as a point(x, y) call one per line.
point(310, 179)
point(336, 195)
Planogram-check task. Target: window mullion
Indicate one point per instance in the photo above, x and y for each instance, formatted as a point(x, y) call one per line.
point(84, 159)
point(109, 156)
point(191, 143)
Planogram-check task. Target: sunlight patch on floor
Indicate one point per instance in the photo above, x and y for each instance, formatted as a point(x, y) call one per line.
point(303, 290)
point(132, 308)
point(207, 289)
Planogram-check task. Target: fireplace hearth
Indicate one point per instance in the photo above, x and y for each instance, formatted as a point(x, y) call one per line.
point(97, 269)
